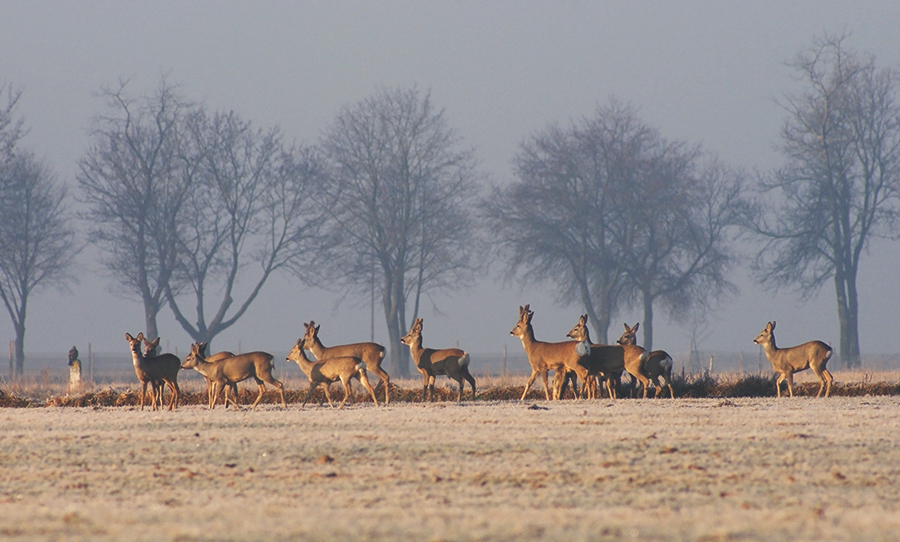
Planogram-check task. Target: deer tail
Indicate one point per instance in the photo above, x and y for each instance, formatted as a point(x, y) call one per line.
point(464, 361)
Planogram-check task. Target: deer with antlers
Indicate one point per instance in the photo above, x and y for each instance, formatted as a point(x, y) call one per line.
point(323, 373)
point(158, 369)
point(452, 362)
point(226, 373)
point(659, 363)
point(544, 357)
point(607, 360)
point(371, 353)
point(787, 361)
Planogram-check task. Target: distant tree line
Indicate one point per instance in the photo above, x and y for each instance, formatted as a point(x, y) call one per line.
point(186, 203)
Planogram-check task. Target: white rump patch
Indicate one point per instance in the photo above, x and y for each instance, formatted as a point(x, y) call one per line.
point(464, 361)
point(361, 366)
point(583, 349)
point(667, 363)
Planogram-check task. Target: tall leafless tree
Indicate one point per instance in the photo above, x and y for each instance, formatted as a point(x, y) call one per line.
point(251, 203)
point(135, 179)
point(609, 212)
point(838, 187)
point(37, 241)
point(399, 193)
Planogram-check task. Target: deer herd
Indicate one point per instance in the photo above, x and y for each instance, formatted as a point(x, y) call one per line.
point(597, 366)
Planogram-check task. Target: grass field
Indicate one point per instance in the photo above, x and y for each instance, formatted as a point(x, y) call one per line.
point(689, 469)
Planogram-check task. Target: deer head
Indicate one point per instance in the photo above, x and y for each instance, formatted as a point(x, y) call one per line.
point(415, 333)
point(525, 316)
point(629, 336)
point(765, 336)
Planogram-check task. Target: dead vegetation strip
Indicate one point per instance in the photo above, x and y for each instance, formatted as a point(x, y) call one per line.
point(696, 387)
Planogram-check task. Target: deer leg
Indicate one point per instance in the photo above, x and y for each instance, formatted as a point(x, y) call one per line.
point(790, 384)
point(431, 388)
point(471, 380)
point(262, 389)
point(309, 392)
point(385, 379)
point(546, 388)
point(529, 383)
point(778, 384)
point(346, 392)
point(828, 381)
point(364, 380)
point(278, 386)
point(327, 387)
point(176, 392)
point(645, 382)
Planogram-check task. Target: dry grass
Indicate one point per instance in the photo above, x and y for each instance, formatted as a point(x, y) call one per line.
point(36, 392)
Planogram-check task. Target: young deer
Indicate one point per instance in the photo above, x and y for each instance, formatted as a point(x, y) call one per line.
point(452, 362)
point(544, 357)
point(659, 363)
point(371, 353)
point(158, 369)
point(322, 373)
point(228, 372)
point(607, 360)
point(787, 361)
point(209, 383)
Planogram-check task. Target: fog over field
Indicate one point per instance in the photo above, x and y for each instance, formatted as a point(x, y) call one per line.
point(703, 72)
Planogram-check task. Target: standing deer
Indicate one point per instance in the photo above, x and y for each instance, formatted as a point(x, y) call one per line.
point(158, 369)
point(610, 359)
point(151, 347)
point(787, 361)
point(544, 357)
point(228, 372)
point(659, 363)
point(452, 362)
point(322, 373)
point(371, 353)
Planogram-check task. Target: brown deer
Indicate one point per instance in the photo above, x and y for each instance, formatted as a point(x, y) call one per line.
point(452, 362)
point(322, 373)
point(659, 363)
point(226, 373)
point(544, 357)
point(607, 360)
point(787, 361)
point(159, 369)
point(151, 347)
point(371, 353)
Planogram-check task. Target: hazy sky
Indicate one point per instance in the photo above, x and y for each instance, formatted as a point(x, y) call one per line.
point(703, 72)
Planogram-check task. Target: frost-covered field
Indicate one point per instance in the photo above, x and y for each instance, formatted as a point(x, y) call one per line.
point(712, 469)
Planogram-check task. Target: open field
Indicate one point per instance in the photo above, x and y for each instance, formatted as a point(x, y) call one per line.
point(689, 469)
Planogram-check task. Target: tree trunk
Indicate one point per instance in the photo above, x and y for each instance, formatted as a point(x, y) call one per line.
point(648, 322)
point(20, 349)
point(150, 313)
point(392, 300)
point(848, 318)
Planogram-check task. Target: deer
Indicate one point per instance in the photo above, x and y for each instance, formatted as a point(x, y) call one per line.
point(322, 373)
point(150, 349)
point(371, 353)
point(606, 360)
point(158, 369)
point(787, 361)
point(226, 373)
point(544, 357)
point(452, 362)
point(659, 363)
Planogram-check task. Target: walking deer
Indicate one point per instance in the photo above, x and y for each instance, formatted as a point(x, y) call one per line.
point(371, 353)
point(158, 369)
point(659, 363)
point(452, 362)
point(322, 373)
point(544, 357)
point(209, 382)
point(606, 360)
point(226, 373)
point(787, 361)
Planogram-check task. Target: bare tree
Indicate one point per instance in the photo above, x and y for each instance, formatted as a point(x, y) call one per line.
point(680, 230)
point(37, 242)
point(251, 203)
point(398, 194)
point(838, 186)
point(135, 178)
point(554, 222)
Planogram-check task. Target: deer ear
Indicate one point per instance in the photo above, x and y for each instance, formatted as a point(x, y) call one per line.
point(773, 324)
point(128, 337)
point(528, 308)
point(636, 326)
point(140, 336)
